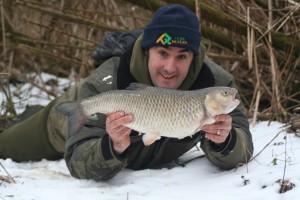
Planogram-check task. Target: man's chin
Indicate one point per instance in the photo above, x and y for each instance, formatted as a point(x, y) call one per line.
point(168, 84)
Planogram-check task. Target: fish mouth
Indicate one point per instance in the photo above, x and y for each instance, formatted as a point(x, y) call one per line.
point(234, 92)
point(232, 106)
point(235, 102)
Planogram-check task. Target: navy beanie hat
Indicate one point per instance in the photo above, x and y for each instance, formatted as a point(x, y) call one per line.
point(173, 25)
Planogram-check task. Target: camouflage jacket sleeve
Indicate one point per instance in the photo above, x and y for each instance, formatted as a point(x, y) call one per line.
point(238, 147)
point(87, 152)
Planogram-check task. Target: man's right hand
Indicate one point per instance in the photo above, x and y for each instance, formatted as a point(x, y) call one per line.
point(116, 130)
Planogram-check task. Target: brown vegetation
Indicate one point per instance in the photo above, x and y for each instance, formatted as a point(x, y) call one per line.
point(258, 41)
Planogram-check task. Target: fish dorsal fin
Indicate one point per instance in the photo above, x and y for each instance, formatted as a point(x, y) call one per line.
point(138, 86)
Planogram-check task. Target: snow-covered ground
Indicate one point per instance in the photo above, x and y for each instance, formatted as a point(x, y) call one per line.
point(276, 157)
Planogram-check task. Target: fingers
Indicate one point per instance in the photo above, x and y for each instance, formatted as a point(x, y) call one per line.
point(116, 121)
point(218, 131)
point(118, 118)
point(218, 139)
point(116, 130)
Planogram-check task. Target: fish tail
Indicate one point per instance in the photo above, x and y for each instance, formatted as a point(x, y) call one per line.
point(76, 115)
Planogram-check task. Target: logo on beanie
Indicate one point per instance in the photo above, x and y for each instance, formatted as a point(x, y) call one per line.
point(166, 39)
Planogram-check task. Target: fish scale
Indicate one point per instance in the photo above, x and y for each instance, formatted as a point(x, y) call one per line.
point(156, 111)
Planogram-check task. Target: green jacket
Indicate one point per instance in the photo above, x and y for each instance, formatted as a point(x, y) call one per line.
point(89, 153)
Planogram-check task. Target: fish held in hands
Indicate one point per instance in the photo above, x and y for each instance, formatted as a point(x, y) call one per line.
point(157, 111)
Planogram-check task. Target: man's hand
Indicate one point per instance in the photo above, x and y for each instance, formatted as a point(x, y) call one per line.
point(116, 130)
point(218, 131)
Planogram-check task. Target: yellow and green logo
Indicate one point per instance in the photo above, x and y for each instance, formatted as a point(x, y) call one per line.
point(166, 39)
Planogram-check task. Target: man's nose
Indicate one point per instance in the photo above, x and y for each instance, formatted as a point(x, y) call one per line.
point(170, 65)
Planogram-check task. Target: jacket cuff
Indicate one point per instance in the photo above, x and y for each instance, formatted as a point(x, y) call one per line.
point(108, 151)
point(226, 147)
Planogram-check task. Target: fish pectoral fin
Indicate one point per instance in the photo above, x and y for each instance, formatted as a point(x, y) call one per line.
point(149, 138)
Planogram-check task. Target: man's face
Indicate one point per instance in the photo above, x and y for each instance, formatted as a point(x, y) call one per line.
point(168, 66)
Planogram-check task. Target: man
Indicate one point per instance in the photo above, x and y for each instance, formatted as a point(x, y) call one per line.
point(168, 54)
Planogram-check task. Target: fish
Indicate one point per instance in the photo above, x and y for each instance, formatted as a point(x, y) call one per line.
point(156, 111)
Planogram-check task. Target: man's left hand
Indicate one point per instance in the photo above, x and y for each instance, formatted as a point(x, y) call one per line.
point(218, 131)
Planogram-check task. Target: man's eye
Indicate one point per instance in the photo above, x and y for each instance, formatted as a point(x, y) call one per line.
point(162, 53)
point(182, 57)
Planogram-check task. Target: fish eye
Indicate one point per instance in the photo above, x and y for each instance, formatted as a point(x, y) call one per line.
point(225, 93)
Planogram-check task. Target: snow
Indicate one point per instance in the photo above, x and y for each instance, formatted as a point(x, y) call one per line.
point(34, 93)
point(276, 157)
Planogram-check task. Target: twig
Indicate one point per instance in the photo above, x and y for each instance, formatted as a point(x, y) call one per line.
point(274, 69)
point(249, 44)
point(2, 75)
point(285, 159)
point(285, 185)
point(257, 74)
point(17, 73)
point(123, 22)
point(184, 163)
point(69, 16)
point(60, 31)
point(266, 146)
point(3, 27)
point(7, 173)
point(293, 2)
point(7, 93)
point(284, 19)
point(197, 9)
point(256, 107)
point(47, 53)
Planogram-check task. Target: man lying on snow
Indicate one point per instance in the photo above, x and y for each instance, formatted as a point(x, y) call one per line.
point(167, 54)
